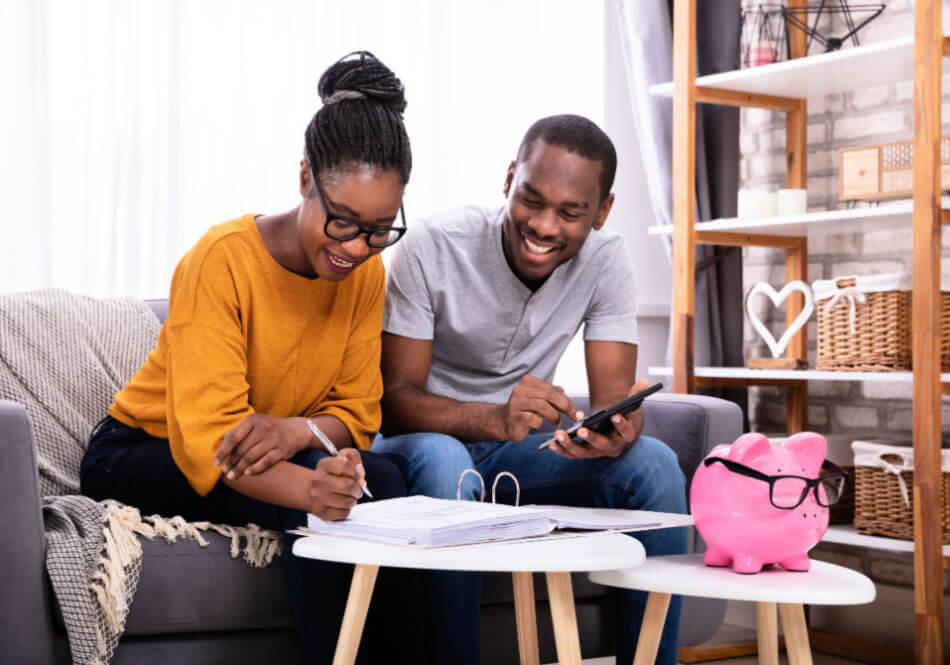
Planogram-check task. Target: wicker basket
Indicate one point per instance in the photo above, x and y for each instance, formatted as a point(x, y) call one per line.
point(873, 335)
point(880, 507)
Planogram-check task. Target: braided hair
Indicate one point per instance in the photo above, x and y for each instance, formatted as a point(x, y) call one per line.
point(361, 118)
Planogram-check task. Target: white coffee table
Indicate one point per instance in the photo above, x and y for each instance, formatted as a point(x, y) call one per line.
point(686, 574)
point(557, 556)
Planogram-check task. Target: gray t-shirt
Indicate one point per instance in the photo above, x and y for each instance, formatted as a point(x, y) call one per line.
point(449, 282)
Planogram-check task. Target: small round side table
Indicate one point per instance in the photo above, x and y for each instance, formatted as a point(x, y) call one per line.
point(557, 556)
point(686, 574)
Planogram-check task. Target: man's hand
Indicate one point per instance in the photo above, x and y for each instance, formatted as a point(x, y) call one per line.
point(626, 430)
point(336, 485)
point(259, 442)
point(531, 403)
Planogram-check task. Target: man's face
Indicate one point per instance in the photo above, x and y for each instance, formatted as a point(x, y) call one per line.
point(553, 203)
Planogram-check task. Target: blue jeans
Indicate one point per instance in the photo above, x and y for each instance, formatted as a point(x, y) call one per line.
point(128, 465)
point(646, 477)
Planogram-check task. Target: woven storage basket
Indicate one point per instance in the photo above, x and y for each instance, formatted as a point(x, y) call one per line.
point(864, 324)
point(881, 506)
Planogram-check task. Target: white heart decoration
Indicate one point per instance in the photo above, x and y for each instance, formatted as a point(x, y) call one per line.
point(777, 298)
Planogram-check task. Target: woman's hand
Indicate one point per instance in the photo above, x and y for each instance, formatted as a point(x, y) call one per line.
point(259, 442)
point(336, 485)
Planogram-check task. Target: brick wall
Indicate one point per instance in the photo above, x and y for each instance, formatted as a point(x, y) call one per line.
point(872, 115)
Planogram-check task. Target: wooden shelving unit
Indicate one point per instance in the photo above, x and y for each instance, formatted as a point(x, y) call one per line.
point(786, 87)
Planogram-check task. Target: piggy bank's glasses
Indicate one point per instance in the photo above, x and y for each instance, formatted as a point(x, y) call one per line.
point(787, 492)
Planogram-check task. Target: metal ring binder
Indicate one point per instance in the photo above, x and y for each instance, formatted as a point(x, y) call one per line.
point(494, 486)
point(458, 490)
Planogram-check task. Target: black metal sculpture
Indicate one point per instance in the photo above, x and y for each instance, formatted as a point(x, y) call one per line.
point(799, 17)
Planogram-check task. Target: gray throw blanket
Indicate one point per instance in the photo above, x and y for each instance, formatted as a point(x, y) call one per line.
point(63, 357)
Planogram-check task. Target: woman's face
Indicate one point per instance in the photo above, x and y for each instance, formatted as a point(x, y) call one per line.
point(364, 194)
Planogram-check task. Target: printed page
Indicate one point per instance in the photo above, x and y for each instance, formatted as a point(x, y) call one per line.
point(428, 513)
point(571, 517)
point(421, 520)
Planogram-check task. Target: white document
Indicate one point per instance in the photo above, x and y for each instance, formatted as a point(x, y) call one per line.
point(427, 522)
point(618, 519)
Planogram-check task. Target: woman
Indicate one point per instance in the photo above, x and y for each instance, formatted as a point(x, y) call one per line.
point(273, 321)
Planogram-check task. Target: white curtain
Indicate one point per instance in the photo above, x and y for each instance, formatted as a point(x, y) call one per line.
point(648, 58)
point(131, 126)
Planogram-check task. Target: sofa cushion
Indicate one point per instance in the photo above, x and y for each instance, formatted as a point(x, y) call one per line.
point(188, 588)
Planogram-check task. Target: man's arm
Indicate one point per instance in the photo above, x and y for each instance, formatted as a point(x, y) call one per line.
point(407, 407)
point(611, 370)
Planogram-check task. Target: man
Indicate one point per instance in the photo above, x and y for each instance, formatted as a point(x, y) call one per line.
point(480, 306)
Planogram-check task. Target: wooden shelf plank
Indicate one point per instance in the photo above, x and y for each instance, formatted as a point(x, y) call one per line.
point(816, 75)
point(826, 222)
point(793, 374)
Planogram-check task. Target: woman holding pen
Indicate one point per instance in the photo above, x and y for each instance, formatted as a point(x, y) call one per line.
point(270, 351)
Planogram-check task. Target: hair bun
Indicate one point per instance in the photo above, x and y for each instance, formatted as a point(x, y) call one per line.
point(360, 75)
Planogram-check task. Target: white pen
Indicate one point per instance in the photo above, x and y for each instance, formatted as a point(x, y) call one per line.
point(570, 431)
point(325, 440)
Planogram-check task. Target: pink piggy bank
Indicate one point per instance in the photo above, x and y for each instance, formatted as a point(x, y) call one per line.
point(736, 513)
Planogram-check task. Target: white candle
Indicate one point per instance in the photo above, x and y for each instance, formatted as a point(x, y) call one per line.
point(771, 204)
point(792, 201)
point(752, 203)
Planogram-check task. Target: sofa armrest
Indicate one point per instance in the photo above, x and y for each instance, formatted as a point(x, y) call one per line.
point(25, 616)
point(692, 425)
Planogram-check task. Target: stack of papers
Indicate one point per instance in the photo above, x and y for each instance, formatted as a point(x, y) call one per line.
point(426, 522)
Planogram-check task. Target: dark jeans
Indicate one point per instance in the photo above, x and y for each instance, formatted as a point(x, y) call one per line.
point(130, 466)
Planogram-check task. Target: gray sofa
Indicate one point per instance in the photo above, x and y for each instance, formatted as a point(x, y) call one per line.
point(198, 605)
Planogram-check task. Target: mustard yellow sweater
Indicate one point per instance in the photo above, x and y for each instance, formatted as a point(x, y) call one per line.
point(246, 335)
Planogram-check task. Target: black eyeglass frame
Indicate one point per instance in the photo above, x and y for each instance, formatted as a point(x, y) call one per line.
point(361, 229)
point(811, 484)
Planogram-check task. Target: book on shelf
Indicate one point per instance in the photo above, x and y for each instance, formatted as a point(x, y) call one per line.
point(427, 522)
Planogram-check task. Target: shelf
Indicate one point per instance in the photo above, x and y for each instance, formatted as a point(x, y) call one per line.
point(858, 220)
point(792, 374)
point(845, 534)
point(816, 75)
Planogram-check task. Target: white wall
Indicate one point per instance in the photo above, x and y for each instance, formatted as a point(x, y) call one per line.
point(132, 127)
point(631, 215)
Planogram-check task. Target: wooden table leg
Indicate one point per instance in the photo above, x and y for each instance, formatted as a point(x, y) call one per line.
point(525, 618)
point(654, 616)
point(566, 639)
point(357, 604)
point(796, 634)
point(766, 625)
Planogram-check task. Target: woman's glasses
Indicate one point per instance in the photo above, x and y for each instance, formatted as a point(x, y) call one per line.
point(343, 228)
point(787, 492)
